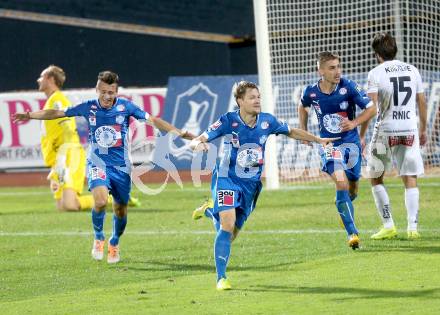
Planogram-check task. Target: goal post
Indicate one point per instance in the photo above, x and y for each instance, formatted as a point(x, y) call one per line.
point(290, 34)
point(265, 83)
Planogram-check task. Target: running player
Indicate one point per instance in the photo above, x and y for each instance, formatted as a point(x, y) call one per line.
point(334, 100)
point(236, 180)
point(108, 162)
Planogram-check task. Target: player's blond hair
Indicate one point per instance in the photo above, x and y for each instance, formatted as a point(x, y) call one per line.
point(57, 74)
point(241, 88)
point(325, 56)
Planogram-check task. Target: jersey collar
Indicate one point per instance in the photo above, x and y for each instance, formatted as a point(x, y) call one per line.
point(242, 121)
point(319, 88)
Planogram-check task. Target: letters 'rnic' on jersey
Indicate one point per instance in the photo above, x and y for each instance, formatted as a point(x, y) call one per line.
point(397, 84)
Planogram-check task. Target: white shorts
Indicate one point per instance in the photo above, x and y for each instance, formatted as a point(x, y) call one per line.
point(403, 150)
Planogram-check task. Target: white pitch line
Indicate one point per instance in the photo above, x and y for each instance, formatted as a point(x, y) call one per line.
point(207, 189)
point(173, 232)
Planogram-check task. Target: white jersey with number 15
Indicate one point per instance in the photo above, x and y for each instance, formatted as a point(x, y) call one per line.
point(397, 84)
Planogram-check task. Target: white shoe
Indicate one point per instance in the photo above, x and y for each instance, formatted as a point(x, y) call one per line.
point(98, 250)
point(113, 254)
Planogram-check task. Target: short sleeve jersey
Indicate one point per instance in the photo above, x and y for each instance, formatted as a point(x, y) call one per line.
point(396, 84)
point(244, 146)
point(332, 108)
point(108, 130)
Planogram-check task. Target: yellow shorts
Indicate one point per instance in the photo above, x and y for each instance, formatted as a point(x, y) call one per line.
point(75, 172)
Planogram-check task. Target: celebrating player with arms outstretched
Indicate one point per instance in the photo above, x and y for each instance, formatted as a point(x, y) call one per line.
point(236, 180)
point(396, 87)
point(61, 148)
point(108, 163)
point(334, 100)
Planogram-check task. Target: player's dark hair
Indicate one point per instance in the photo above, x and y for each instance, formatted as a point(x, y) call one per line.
point(241, 88)
point(384, 45)
point(325, 56)
point(108, 77)
point(57, 74)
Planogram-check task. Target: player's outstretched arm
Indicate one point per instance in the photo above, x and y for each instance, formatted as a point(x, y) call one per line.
point(300, 134)
point(161, 124)
point(46, 114)
point(199, 144)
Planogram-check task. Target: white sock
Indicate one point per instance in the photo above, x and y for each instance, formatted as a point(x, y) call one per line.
point(383, 205)
point(412, 207)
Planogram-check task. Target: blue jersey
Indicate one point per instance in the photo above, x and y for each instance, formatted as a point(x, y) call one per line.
point(332, 108)
point(244, 146)
point(108, 130)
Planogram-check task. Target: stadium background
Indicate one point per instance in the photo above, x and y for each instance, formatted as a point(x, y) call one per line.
point(140, 59)
point(176, 38)
point(159, 40)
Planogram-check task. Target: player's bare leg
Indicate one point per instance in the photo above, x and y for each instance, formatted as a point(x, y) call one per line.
point(69, 201)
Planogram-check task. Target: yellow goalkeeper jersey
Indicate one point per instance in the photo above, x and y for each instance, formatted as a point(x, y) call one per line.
point(55, 133)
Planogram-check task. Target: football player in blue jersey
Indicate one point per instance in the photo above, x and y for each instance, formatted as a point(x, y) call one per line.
point(108, 162)
point(236, 180)
point(334, 100)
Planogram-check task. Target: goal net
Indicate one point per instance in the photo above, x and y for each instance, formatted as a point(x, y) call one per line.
point(298, 30)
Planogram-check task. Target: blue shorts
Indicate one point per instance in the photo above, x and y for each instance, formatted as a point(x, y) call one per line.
point(228, 194)
point(346, 156)
point(118, 182)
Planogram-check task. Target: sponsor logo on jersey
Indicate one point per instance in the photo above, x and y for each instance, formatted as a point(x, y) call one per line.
point(57, 105)
point(92, 120)
point(234, 124)
point(215, 125)
point(120, 108)
point(120, 119)
point(342, 91)
point(312, 95)
point(108, 136)
point(402, 140)
point(264, 125)
point(235, 140)
point(93, 107)
point(332, 122)
point(332, 153)
point(97, 173)
point(317, 107)
point(225, 197)
point(250, 157)
point(343, 105)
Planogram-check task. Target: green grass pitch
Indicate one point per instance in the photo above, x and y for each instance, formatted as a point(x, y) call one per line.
point(290, 258)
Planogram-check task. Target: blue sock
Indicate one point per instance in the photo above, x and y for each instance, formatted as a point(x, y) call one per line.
point(118, 229)
point(346, 211)
point(98, 224)
point(208, 213)
point(222, 250)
